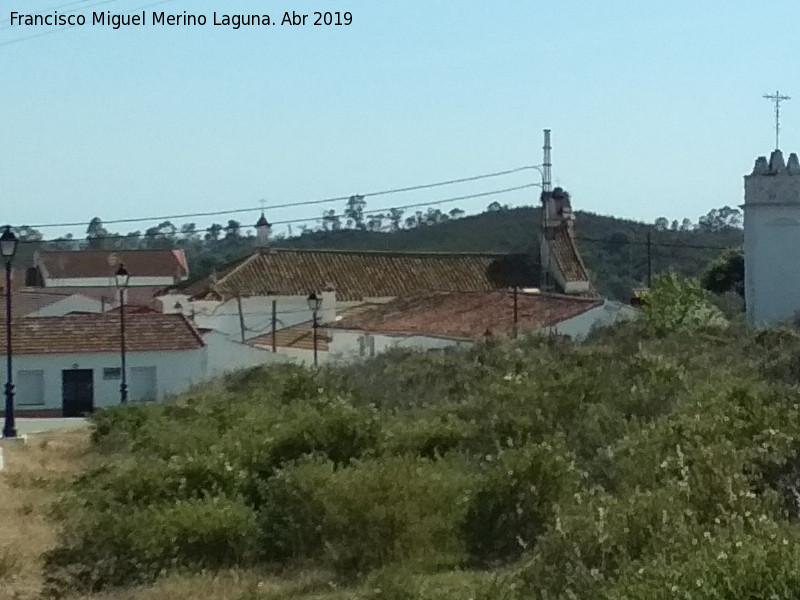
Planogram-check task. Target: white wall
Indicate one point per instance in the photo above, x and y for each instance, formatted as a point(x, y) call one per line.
point(257, 311)
point(108, 281)
point(771, 241)
point(225, 354)
point(772, 279)
point(175, 372)
point(346, 344)
point(608, 313)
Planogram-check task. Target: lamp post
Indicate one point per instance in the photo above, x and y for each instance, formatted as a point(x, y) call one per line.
point(122, 278)
point(314, 303)
point(8, 248)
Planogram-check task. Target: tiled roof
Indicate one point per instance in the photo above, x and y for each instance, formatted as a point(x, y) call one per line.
point(359, 275)
point(66, 264)
point(138, 295)
point(101, 333)
point(566, 254)
point(467, 314)
point(298, 337)
point(27, 301)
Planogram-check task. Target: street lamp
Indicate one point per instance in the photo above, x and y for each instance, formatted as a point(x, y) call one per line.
point(122, 278)
point(8, 248)
point(314, 303)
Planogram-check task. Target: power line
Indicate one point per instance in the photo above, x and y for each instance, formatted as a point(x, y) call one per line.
point(303, 220)
point(420, 204)
point(652, 243)
point(219, 213)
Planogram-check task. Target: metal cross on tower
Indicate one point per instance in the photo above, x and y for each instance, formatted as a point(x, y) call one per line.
point(777, 98)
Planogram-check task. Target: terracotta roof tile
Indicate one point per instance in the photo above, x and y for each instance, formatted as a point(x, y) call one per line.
point(359, 275)
point(101, 333)
point(567, 256)
point(27, 301)
point(467, 314)
point(138, 295)
point(65, 264)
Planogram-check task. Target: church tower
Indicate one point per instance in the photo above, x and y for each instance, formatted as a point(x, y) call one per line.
point(772, 239)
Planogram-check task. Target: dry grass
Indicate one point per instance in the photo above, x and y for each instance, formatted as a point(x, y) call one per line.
point(27, 489)
point(234, 585)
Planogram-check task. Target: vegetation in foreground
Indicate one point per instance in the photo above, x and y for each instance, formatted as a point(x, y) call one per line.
point(657, 460)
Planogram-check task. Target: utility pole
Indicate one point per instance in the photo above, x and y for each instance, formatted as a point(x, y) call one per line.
point(274, 325)
point(649, 261)
point(516, 313)
point(777, 98)
point(241, 316)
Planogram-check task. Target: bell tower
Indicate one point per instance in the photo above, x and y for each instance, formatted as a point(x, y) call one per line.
point(772, 239)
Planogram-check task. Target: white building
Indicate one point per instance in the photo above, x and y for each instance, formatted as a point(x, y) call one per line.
point(67, 366)
point(772, 239)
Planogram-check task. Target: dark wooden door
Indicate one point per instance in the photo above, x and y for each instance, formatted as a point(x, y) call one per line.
point(77, 395)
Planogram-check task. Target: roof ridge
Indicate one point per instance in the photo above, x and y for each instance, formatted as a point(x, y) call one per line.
point(395, 252)
point(113, 251)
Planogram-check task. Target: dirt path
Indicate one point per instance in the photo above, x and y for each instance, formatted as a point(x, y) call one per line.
point(28, 486)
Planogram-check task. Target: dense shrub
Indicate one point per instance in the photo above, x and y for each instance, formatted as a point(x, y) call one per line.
point(394, 510)
point(515, 500)
point(678, 305)
point(115, 547)
point(122, 423)
point(577, 470)
point(291, 513)
point(369, 514)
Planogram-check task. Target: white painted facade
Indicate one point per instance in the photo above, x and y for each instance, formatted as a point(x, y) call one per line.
point(608, 313)
point(150, 376)
point(349, 344)
point(226, 354)
point(772, 240)
point(109, 281)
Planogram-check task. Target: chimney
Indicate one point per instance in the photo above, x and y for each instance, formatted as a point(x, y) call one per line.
point(547, 165)
point(327, 313)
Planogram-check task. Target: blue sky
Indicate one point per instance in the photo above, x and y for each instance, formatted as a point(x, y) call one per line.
point(655, 108)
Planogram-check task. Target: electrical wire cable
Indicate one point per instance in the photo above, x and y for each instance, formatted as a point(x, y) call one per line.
point(218, 213)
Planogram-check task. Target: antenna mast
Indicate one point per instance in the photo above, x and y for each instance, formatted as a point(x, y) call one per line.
point(546, 164)
point(777, 98)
